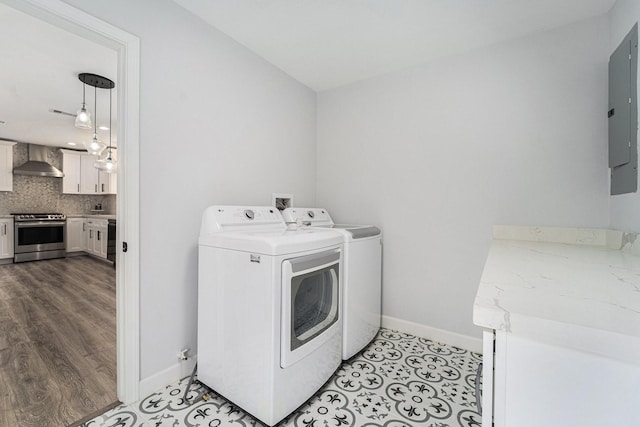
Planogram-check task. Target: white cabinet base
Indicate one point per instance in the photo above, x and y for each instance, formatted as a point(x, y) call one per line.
point(6, 240)
point(487, 377)
point(75, 235)
point(539, 384)
point(96, 237)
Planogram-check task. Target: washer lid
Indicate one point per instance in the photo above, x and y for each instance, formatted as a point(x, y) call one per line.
point(269, 242)
point(358, 231)
point(217, 219)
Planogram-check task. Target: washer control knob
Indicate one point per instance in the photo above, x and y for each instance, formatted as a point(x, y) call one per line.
point(249, 214)
point(311, 214)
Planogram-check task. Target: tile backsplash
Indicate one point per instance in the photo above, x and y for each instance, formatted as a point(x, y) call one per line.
point(44, 194)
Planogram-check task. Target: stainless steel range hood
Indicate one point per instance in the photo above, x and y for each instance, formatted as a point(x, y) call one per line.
point(37, 164)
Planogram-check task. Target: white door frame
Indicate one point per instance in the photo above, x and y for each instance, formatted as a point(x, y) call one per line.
point(127, 47)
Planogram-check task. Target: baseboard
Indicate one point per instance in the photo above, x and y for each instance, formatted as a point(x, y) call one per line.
point(180, 370)
point(168, 376)
point(435, 334)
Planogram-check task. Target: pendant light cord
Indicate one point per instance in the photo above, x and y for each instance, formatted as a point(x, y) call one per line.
point(110, 123)
point(95, 111)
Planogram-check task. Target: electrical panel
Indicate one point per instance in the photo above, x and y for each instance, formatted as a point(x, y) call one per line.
point(623, 115)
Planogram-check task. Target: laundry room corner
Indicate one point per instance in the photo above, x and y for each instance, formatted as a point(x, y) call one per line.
point(451, 147)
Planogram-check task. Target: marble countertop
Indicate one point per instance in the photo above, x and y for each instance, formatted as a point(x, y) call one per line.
point(567, 285)
point(98, 216)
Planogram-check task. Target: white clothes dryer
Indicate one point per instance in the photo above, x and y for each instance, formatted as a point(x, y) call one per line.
point(269, 309)
point(362, 285)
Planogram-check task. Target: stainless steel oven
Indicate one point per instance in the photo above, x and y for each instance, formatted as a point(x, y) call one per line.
point(39, 236)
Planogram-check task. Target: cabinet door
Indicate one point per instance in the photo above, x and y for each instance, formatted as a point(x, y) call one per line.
point(6, 166)
point(101, 242)
point(71, 169)
point(75, 236)
point(88, 174)
point(104, 184)
point(88, 237)
point(488, 338)
point(6, 238)
point(113, 183)
point(96, 238)
point(550, 385)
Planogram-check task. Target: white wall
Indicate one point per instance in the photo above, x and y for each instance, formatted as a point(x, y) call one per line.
point(438, 154)
point(219, 125)
point(624, 208)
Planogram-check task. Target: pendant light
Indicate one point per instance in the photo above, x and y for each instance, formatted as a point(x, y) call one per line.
point(95, 146)
point(108, 163)
point(83, 117)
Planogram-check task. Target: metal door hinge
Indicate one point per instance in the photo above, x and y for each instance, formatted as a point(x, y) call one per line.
point(124, 247)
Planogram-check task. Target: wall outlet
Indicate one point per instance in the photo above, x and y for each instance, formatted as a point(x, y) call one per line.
point(282, 201)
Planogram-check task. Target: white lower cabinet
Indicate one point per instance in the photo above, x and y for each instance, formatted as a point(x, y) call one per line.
point(6, 238)
point(531, 383)
point(75, 234)
point(96, 237)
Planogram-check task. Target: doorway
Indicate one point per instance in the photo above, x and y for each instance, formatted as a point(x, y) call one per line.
point(127, 47)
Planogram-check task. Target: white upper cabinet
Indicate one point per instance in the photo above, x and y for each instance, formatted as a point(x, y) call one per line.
point(104, 183)
point(6, 165)
point(88, 175)
point(71, 169)
point(82, 177)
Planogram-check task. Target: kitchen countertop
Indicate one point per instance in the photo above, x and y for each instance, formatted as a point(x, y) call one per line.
point(574, 287)
point(97, 216)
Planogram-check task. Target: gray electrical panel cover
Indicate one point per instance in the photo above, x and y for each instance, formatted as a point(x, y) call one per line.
point(623, 115)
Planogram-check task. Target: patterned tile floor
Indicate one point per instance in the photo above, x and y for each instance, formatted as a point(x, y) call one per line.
point(399, 380)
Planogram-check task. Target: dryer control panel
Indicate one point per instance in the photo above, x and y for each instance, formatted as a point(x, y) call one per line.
point(229, 218)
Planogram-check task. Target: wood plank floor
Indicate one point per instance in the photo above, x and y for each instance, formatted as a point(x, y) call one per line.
point(57, 341)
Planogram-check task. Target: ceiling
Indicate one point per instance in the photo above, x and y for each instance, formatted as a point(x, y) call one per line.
point(39, 69)
point(321, 43)
point(330, 43)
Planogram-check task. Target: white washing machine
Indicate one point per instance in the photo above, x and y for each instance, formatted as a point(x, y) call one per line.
point(269, 309)
point(362, 290)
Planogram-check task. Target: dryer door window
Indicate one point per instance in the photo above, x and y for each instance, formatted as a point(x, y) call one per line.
point(311, 303)
point(314, 298)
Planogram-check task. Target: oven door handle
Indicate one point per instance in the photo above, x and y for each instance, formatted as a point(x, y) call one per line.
point(27, 224)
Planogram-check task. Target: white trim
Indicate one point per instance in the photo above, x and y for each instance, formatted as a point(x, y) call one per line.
point(127, 46)
point(172, 374)
point(435, 334)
